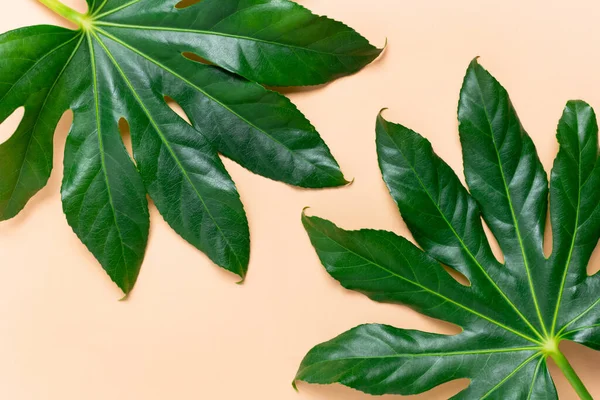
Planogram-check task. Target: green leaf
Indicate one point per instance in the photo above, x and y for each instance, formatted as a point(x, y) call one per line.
point(31, 75)
point(103, 195)
point(512, 315)
point(275, 42)
point(122, 63)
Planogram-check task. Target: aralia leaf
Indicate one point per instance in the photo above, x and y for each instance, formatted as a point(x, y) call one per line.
point(512, 315)
point(125, 59)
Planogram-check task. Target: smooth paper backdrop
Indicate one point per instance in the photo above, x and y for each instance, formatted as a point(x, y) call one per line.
point(188, 331)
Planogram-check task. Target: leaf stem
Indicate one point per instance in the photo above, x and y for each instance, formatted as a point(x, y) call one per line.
point(67, 12)
point(571, 375)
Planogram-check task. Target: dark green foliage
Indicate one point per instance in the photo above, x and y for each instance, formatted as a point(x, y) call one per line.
point(126, 57)
point(514, 314)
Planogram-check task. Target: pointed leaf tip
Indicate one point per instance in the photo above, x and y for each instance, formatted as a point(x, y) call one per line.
point(305, 217)
point(381, 121)
point(241, 283)
point(380, 115)
point(578, 103)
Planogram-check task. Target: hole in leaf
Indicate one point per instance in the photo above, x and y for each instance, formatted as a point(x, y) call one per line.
point(493, 242)
point(186, 3)
point(125, 131)
point(177, 108)
point(10, 124)
point(594, 265)
point(195, 57)
point(458, 277)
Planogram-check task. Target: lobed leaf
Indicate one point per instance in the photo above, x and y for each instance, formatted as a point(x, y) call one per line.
point(127, 56)
point(513, 315)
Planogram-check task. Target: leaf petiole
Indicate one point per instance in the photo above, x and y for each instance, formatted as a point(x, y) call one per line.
point(566, 368)
point(67, 12)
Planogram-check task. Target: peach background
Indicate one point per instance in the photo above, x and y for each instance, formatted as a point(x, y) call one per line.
point(187, 331)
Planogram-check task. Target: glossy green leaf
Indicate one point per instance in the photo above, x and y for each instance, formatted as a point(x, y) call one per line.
point(122, 63)
point(30, 76)
point(275, 42)
point(514, 314)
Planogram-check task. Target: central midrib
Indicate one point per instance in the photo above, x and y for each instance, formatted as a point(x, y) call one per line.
point(171, 151)
point(441, 296)
point(510, 375)
point(11, 198)
point(436, 354)
point(98, 14)
point(464, 245)
point(573, 240)
point(214, 33)
point(191, 84)
point(102, 158)
point(509, 199)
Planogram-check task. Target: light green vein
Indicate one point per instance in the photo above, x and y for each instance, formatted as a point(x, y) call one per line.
point(100, 7)
point(464, 246)
point(583, 328)
point(507, 377)
point(102, 156)
point(37, 62)
point(572, 247)
point(11, 198)
point(169, 149)
point(212, 33)
point(96, 16)
point(214, 99)
point(434, 354)
point(512, 210)
point(470, 310)
point(535, 374)
point(578, 317)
